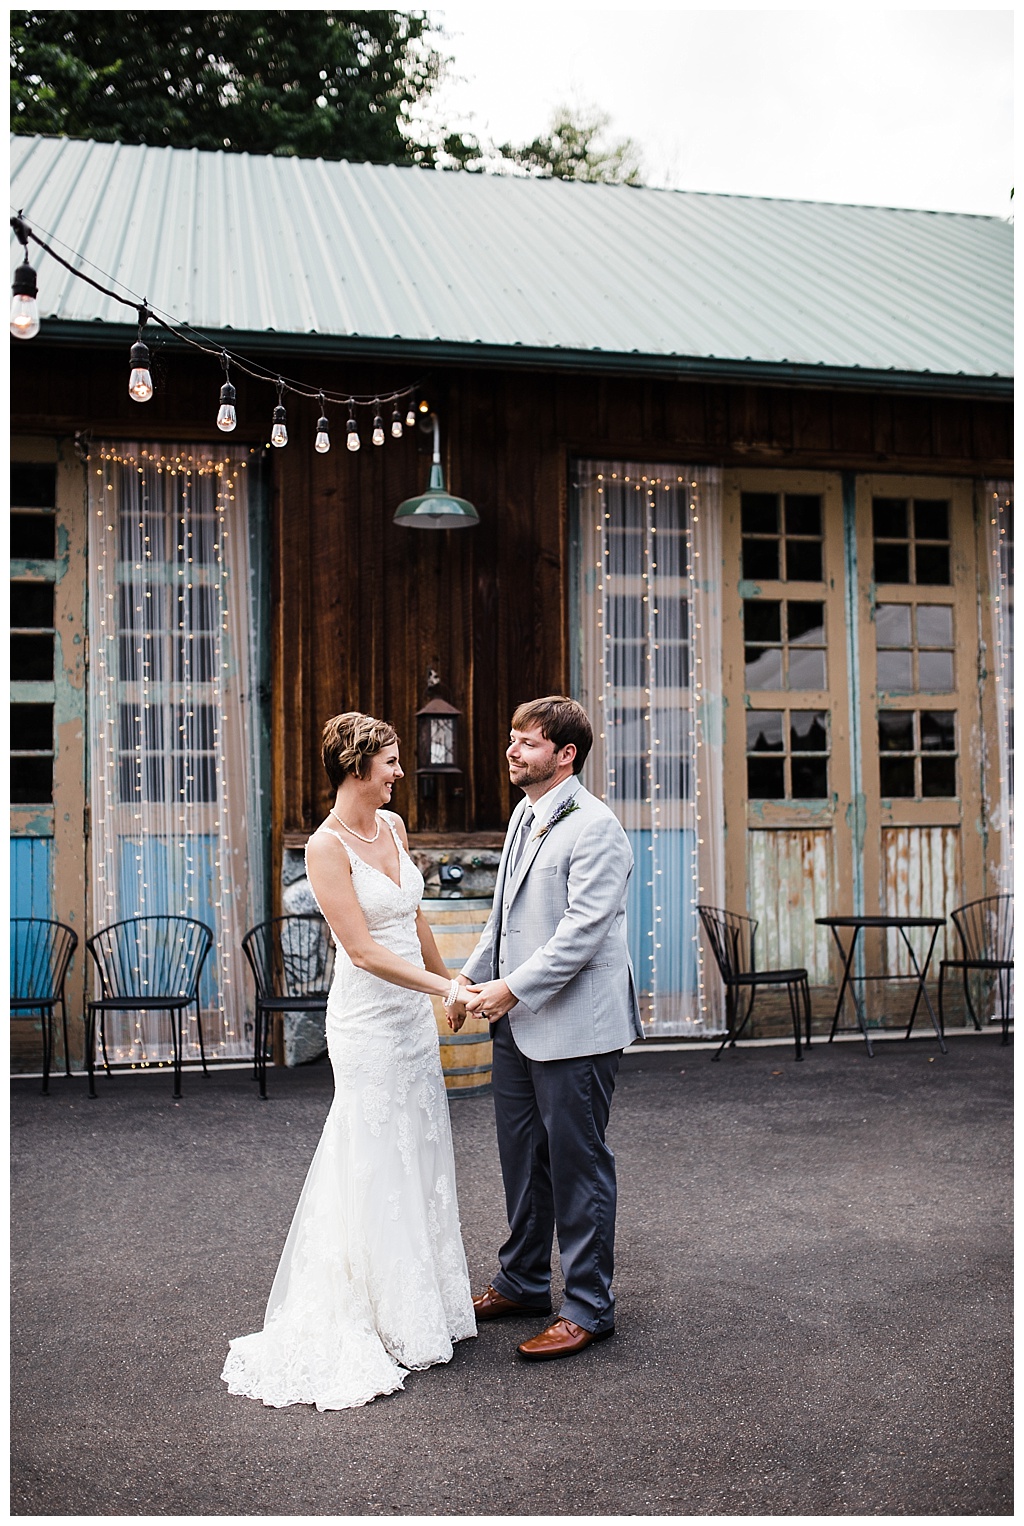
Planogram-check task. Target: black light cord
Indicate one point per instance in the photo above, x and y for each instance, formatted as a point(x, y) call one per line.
point(203, 342)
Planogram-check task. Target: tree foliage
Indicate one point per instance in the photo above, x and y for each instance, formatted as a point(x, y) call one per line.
point(354, 85)
point(573, 148)
point(336, 84)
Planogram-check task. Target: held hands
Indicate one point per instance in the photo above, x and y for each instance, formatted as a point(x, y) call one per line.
point(491, 999)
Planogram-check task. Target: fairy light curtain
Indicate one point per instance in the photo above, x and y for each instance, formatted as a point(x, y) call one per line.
point(175, 753)
point(999, 527)
point(650, 644)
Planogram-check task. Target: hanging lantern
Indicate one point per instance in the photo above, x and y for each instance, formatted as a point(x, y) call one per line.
point(437, 736)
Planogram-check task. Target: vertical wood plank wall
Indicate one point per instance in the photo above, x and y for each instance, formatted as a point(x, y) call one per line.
point(361, 608)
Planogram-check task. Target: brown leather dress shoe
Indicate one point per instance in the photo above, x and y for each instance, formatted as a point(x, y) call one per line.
point(494, 1305)
point(563, 1338)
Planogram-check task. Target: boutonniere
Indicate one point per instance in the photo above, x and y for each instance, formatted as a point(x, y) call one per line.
point(565, 809)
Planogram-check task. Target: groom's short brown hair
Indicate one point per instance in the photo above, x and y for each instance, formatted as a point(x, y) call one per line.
point(560, 720)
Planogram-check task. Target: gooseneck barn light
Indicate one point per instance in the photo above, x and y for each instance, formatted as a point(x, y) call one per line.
point(436, 509)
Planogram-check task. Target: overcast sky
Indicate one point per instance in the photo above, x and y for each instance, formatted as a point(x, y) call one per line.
point(907, 108)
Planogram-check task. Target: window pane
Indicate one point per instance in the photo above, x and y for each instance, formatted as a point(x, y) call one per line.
point(760, 559)
point(759, 513)
point(31, 658)
point(896, 778)
point(895, 731)
point(32, 537)
point(805, 622)
point(935, 672)
point(931, 519)
point(762, 620)
point(764, 731)
point(31, 781)
point(766, 779)
point(31, 728)
point(806, 669)
point(934, 625)
point(892, 563)
point(938, 731)
point(895, 675)
point(33, 485)
point(803, 561)
point(938, 777)
point(626, 664)
point(32, 604)
point(763, 667)
point(932, 564)
point(892, 624)
point(810, 778)
point(803, 514)
point(808, 731)
point(889, 518)
point(672, 665)
point(625, 552)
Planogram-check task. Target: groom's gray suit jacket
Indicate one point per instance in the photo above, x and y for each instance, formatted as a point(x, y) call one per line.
point(557, 936)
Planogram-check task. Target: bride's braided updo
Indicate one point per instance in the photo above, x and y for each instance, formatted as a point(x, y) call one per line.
point(349, 741)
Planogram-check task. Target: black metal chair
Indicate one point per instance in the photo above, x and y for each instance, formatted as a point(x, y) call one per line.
point(41, 951)
point(985, 928)
point(148, 964)
point(731, 937)
point(292, 961)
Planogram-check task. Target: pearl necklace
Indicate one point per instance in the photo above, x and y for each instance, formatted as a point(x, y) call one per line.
point(333, 812)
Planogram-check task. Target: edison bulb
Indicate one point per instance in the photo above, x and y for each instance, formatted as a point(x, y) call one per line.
point(24, 316)
point(322, 443)
point(396, 425)
point(410, 417)
point(378, 430)
point(140, 385)
point(279, 435)
point(352, 439)
point(226, 417)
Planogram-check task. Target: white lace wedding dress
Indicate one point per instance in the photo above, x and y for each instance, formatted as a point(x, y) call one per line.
point(372, 1280)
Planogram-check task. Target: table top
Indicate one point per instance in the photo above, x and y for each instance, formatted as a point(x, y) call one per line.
point(880, 921)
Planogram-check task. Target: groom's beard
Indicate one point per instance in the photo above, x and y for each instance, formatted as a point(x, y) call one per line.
point(522, 774)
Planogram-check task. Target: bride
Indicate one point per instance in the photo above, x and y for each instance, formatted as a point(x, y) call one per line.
point(372, 1281)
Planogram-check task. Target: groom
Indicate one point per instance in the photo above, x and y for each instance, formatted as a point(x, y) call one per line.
point(552, 973)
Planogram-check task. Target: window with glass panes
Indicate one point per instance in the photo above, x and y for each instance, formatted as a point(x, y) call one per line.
point(787, 754)
point(784, 646)
point(33, 577)
point(911, 540)
point(917, 753)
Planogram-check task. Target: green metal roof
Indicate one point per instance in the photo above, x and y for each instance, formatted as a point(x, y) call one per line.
point(380, 260)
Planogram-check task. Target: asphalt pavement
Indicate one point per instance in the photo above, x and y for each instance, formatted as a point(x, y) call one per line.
point(814, 1303)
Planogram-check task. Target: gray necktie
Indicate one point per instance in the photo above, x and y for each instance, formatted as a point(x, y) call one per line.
point(525, 828)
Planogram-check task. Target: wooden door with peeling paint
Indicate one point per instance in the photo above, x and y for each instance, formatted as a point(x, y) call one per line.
point(921, 607)
point(858, 769)
point(785, 685)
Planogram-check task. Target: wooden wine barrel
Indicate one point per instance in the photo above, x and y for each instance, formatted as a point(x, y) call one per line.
point(466, 1055)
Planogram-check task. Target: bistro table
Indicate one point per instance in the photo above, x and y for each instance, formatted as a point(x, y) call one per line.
point(897, 924)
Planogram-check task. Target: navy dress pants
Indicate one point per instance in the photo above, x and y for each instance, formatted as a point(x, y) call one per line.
point(551, 1117)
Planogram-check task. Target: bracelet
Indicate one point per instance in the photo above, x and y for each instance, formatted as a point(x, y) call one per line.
point(453, 994)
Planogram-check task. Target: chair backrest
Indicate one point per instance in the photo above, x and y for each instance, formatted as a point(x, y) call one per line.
point(150, 957)
point(986, 928)
point(291, 956)
point(40, 954)
point(731, 936)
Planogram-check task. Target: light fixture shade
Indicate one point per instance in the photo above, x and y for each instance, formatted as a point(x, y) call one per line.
point(436, 509)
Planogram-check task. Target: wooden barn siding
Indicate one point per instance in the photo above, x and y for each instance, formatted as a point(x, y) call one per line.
point(360, 608)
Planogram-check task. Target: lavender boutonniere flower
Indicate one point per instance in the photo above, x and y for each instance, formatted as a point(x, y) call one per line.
point(565, 809)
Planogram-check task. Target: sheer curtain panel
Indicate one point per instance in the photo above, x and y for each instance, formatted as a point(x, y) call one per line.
point(174, 785)
point(649, 576)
